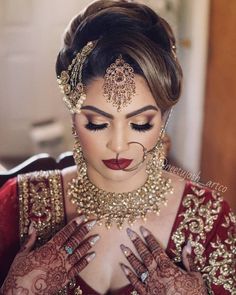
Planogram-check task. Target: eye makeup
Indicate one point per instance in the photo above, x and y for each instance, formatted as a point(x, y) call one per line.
point(141, 127)
point(139, 124)
point(96, 127)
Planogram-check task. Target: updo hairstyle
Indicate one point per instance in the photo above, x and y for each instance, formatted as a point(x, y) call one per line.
point(134, 30)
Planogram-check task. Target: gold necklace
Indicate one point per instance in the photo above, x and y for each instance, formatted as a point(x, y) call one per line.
point(110, 207)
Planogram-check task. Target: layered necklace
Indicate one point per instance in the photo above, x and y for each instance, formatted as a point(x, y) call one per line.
point(117, 208)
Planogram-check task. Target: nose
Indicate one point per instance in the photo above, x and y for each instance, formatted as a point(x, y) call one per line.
point(118, 141)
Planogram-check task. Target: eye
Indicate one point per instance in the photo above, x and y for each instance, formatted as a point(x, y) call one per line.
point(141, 127)
point(95, 127)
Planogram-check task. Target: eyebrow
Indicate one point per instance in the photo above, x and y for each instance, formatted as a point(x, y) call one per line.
point(132, 114)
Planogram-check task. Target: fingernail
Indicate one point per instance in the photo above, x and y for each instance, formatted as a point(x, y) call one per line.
point(93, 240)
point(145, 232)
point(125, 250)
point(90, 257)
point(189, 248)
point(125, 269)
point(79, 219)
point(90, 224)
point(31, 228)
point(131, 234)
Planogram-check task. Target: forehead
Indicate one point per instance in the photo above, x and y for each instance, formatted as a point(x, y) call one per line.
point(142, 97)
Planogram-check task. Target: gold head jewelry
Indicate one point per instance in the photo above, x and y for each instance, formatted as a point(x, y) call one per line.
point(119, 85)
point(117, 208)
point(70, 81)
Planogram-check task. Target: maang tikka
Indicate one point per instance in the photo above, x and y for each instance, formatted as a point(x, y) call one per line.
point(119, 84)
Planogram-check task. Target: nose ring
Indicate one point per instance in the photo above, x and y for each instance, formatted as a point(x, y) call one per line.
point(145, 152)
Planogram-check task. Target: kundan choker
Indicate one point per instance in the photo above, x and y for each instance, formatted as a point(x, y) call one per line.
point(110, 208)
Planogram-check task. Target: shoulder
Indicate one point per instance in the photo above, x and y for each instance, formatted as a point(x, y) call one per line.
point(207, 221)
point(205, 206)
point(203, 217)
point(41, 201)
point(178, 183)
point(67, 175)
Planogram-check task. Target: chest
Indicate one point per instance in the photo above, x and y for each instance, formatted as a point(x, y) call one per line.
point(104, 272)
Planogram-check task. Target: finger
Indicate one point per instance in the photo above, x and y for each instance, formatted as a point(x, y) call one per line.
point(135, 282)
point(83, 249)
point(185, 253)
point(161, 258)
point(82, 231)
point(187, 258)
point(77, 268)
point(133, 260)
point(62, 236)
point(30, 240)
point(142, 249)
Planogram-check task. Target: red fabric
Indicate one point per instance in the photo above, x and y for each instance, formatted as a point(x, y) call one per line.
point(9, 232)
point(9, 226)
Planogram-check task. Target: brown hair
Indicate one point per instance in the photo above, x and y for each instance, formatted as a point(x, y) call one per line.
point(134, 30)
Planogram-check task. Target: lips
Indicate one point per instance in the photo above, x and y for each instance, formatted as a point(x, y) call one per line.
point(115, 164)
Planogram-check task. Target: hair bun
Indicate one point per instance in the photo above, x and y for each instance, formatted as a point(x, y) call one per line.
point(134, 30)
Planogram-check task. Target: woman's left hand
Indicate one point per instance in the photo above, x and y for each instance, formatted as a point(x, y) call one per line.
point(156, 273)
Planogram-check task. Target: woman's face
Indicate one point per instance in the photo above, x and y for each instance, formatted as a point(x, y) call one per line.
point(105, 133)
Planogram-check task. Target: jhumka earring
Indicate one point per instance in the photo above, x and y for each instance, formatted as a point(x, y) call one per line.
point(157, 156)
point(78, 155)
point(156, 161)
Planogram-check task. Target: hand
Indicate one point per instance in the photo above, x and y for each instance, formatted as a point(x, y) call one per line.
point(158, 273)
point(49, 268)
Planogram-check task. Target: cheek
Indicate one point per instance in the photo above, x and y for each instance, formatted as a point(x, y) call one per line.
point(149, 139)
point(87, 143)
point(91, 144)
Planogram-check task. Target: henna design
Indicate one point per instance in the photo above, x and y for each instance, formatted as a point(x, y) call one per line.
point(143, 251)
point(49, 268)
point(22, 291)
point(79, 252)
point(133, 260)
point(166, 278)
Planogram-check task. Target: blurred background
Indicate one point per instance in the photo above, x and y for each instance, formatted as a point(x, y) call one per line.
point(202, 127)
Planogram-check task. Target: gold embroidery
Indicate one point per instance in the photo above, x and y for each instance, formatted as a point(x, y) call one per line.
point(198, 220)
point(78, 291)
point(222, 260)
point(41, 201)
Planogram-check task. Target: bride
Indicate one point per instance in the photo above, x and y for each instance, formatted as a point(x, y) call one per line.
point(116, 223)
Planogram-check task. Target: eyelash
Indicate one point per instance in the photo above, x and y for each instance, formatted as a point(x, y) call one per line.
point(95, 127)
point(137, 127)
point(141, 127)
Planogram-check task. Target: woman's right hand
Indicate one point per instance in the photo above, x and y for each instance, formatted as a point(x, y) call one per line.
point(51, 267)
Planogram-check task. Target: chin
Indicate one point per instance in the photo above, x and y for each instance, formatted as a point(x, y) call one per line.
point(120, 176)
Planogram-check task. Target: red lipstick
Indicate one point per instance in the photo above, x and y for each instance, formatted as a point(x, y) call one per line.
point(117, 164)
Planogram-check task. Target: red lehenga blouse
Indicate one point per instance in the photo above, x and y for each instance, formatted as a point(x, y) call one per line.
point(203, 217)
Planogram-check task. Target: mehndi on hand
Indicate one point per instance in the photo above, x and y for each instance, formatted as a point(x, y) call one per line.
point(156, 273)
point(51, 267)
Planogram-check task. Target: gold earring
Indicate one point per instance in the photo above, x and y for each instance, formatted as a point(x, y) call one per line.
point(156, 161)
point(78, 155)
